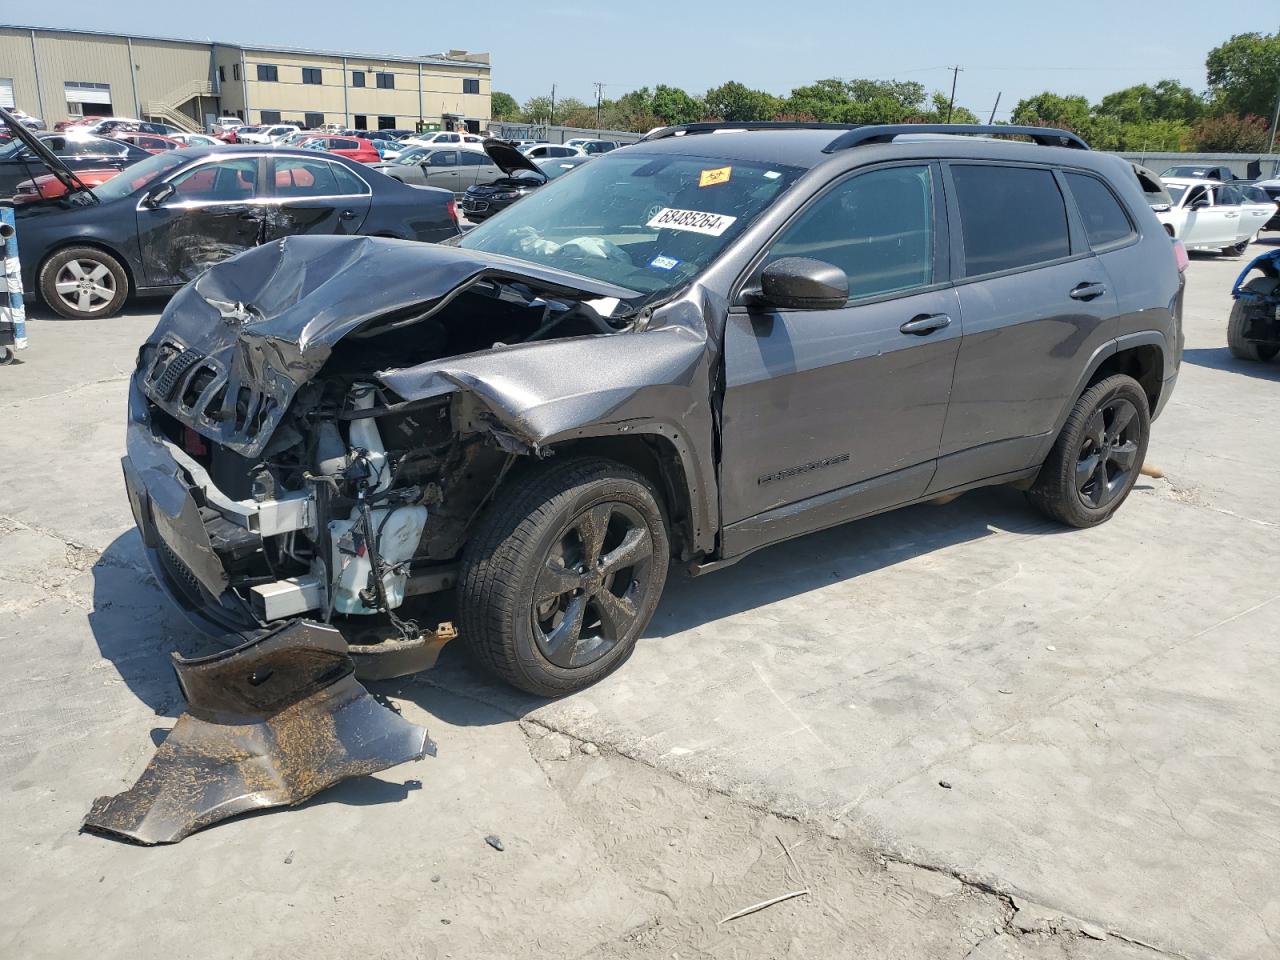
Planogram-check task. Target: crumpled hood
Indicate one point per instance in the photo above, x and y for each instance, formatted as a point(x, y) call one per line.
point(264, 323)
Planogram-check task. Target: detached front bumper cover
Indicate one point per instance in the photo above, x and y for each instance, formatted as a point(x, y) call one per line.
point(269, 723)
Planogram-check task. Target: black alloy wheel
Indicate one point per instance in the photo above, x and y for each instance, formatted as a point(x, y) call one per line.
point(589, 591)
point(1108, 454)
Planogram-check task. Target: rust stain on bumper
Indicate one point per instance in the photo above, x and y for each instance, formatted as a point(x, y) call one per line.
point(268, 724)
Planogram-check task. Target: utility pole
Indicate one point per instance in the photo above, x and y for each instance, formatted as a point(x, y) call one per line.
point(992, 119)
point(1275, 119)
point(955, 75)
point(552, 121)
point(599, 95)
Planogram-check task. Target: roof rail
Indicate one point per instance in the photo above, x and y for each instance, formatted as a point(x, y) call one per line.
point(711, 126)
point(885, 133)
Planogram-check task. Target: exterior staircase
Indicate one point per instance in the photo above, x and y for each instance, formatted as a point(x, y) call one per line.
point(167, 109)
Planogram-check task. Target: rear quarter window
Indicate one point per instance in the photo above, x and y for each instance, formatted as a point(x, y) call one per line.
point(1010, 217)
point(1104, 218)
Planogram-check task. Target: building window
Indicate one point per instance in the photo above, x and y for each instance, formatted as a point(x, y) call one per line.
point(222, 74)
point(269, 117)
point(471, 86)
point(386, 81)
point(361, 121)
point(386, 123)
point(313, 120)
point(311, 75)
point(357, 78)
point(235, 71)
point(268, 73)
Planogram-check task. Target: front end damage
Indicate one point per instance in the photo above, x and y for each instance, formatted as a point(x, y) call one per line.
point(315, 425)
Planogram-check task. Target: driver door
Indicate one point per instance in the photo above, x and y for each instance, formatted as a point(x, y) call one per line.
point(217, 210)
point(843, 409)
point(441, 169)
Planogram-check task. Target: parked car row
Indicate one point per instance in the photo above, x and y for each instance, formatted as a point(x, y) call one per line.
point(1210, 214)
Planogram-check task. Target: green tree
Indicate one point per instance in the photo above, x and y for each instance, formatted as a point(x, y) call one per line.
point(538, 110)
point(1052, 110)
point(1244, 74)
point(824, 100)
point(1230, 133)
point(1167, 100)
point(673, 105)
point(504, 106)
point(734, 101)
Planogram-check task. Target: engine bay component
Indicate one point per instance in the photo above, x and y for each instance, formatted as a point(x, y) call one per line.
point(269, 723)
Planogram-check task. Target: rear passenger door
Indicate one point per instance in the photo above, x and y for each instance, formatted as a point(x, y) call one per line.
point(313, 195)
point(820, 400)
point(478, 168)
point(1035, 303)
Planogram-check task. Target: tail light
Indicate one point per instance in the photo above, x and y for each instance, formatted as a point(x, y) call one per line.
point(1180, 256)
point(453, 209)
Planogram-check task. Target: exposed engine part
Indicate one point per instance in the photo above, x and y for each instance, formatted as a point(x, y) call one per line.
point(396, 536)
point(268, 724)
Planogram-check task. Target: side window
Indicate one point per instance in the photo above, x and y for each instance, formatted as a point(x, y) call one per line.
point(470, 158)
point(1104, 219)
point(443, 158)
point(877, 227)
point(305, 177)
point(1198, 193)
point(1226, 196)
point(1010, 217)
point(232, 180)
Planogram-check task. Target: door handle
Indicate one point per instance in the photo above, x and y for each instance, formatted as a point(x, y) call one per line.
point(248, 216)
point(1087, 291)
point(1232, 216)
point(347, 215)
point(925, 324)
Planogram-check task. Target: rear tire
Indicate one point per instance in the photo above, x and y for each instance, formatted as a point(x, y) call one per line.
point(1241, 348)
point(1237, 250)
point(1095, 461)
point(83, 283)
point(562, 575)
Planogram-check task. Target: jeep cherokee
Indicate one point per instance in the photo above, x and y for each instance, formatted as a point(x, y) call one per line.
point(719, 338)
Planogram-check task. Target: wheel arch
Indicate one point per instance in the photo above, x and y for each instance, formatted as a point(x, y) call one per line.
point(660, 455)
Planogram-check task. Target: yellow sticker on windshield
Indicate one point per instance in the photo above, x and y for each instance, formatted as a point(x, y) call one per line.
point(710, 178)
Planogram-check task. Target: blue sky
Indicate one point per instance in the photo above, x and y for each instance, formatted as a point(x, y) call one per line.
point(1014, 48)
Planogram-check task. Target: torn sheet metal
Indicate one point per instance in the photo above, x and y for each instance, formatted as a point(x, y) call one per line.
point(267, 320)
point(268, 724)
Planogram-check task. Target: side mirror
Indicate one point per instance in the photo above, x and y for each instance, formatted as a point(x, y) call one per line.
point(803, 284)
point(1200, 204)
point(159, 194)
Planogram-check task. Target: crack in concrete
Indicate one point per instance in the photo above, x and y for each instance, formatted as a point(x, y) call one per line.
point(66, 392)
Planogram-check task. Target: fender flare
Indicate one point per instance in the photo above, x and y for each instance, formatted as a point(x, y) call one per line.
point(1105, 352)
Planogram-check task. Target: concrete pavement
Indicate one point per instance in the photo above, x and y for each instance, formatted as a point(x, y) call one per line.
point(1100, 703)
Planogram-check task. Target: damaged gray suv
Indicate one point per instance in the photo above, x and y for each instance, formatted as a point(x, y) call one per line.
point(719, 338)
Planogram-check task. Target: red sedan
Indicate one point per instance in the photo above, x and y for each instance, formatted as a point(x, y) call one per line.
point(361, 151)
point(49, 187)
point(150, 142)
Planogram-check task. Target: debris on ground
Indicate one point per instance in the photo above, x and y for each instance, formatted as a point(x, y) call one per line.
point(269, 723)
point(756, 907)
point(494, 842)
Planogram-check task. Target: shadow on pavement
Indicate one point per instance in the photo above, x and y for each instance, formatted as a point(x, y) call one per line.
point(1220, 358)
point(137, 628)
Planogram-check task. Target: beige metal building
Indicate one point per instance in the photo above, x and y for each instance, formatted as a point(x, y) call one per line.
point(56, 74)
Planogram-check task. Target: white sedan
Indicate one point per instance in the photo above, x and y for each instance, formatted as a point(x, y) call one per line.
point(1211, 215)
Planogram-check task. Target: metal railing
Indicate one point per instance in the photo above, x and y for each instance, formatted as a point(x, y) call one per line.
point(167, 108)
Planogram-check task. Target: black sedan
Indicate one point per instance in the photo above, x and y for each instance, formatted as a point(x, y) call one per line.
point(160, 223)
point(523, 176)
point(18, 161)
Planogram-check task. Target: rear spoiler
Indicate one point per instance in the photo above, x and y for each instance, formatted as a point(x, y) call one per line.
point(33, 143)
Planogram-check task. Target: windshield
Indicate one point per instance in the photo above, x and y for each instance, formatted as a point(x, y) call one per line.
point(650, 223)
point(138, 176)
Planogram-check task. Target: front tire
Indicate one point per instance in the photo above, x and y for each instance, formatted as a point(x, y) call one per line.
point(83, 283)
point(1095, 461)
point(561, 577)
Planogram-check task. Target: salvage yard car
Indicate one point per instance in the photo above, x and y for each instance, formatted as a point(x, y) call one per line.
point(544, 414)
point(161, 222)
point(20, 161)
point(522, 176)
point(1211, 215)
